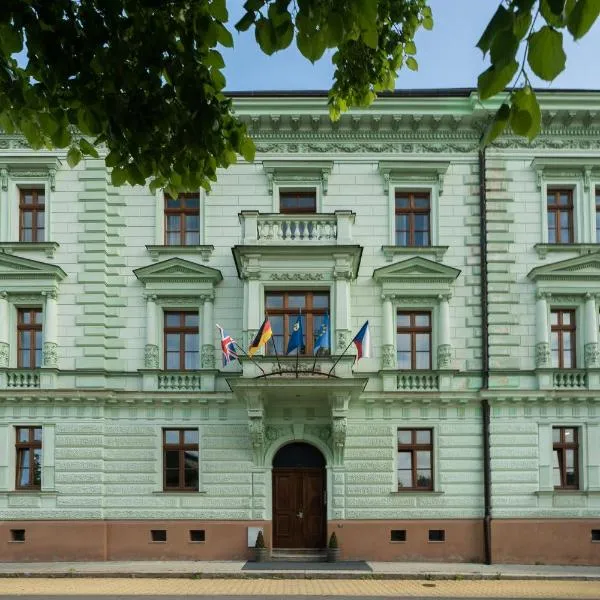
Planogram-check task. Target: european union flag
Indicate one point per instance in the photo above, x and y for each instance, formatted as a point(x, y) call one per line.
point(296, 336)
point(322, 340)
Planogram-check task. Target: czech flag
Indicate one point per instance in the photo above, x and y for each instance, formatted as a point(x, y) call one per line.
point(362, 341)
point(261, 338)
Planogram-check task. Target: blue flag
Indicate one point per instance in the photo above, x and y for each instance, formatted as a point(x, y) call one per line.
point(322, 340)
point(296, 337)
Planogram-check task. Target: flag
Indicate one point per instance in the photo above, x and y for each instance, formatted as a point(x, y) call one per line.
point(227, 347)
point(261, 338)
point(296, 337)
point(322, 340)
point(362, 341)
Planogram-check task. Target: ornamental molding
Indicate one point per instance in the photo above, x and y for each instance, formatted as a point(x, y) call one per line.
point(20, 275)
point(425, 172)
point(574, 276)
point(26, 167)
point(315, 276)
point(282, 172)
point(566, 167)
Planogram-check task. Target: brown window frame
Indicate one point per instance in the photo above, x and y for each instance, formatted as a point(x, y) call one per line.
point(559, 329)
point(182, 330)
point(561, 447)
point(38, 234)
point(308, 312)
point(558, 209)
point(181, 447)
point(31, 444)
point(413, 448)
point(412, 211)
point(182, 212)
point(301, 193)
point(31, 329)
point(413, 330)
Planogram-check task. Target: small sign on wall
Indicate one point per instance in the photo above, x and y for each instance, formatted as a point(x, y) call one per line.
point(252, 535)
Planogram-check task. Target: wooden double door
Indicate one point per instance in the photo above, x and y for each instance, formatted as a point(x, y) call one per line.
point(299, 507)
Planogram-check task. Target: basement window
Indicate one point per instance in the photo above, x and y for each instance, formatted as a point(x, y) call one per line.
point(158, 535)
point(197, 535)
point(595, 535)
point(437, 535)
point(398, 535)
point(17, 535)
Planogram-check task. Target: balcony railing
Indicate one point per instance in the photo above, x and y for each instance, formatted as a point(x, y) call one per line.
point(179, 381)
point(414, 381)
point(275, 228)
point(570, 379)
point(22, 379)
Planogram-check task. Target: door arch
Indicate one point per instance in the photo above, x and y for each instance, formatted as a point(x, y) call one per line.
point(299, 492)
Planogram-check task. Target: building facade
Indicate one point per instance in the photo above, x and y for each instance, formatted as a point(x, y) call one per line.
point(471, 433)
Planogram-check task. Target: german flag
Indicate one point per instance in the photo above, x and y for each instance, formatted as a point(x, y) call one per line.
point(261, 338)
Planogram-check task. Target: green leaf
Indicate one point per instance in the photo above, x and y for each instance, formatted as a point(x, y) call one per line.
point(224, 36)
point(73, 156)
point(370, 37)
point(266, 36)
point(412, 64)
point(112, 159)
point(118, 176)
point(410, 48)
point(521, 24)
point(496, 126)
point(247, 148)
point(552, 11)
point(582, 17)
point(254, 5)
point(428, 23)
point(504, 47)
point(48, 123)
point(525, 114)
point(87, 148)
point(218, 9)
point(214, 59)
point(61, 138)
point(502, 19)
point(311, 46)
point(546, 56)
point(11, 41)
point(246, 21)
point(495, 79)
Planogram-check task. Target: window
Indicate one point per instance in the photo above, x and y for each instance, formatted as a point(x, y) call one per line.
point(415, 459)
point(158, 535)
point(560, 216)
point(297, 201)
point(31, 215)
point(29, 458)
point(413, 340)
point(197, 535)
point(598, 214)
point(398, 535)
point(562, 330)
point(182, 344)
point(283, 309)
point(182, 220)
point(437, 535)
point(566, 458)
point(413, 211)
point(29, 338)
point(180, 459)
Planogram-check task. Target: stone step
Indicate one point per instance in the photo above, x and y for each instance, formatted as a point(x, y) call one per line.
point(299, 554)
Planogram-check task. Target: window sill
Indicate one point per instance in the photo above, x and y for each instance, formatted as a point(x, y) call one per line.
point(567, 493)
point(178, 492)
point(30, 492)
point(49, 248)
point(416, 492)
point(205, 251)
point(392, 251)
point(543, 249)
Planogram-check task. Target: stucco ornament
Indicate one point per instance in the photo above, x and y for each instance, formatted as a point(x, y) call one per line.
point(257, 437)
point(542, 354)
point(339, 439)
point(592, 355)
point(4, 348)
point(208, 356)
point(342, 339)
point(151, 356)
point(444, 356)
point(50, 355)
point(388, 356)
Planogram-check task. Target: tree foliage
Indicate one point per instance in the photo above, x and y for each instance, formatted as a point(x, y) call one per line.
point(143, 78)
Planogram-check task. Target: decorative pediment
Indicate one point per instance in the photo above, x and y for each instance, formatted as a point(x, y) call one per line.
point(416, 172)
point(416, 276)
point(309, 263)
point(18, 274)
point(566, 167)
point(579, 274)
point(177, 276)
point(297, 171)
point(29, 167)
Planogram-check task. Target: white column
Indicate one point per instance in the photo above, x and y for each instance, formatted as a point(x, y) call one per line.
point(388, 335)
point(151, 349)
point(542, 345)
point(207, 338)
point(444, 350)
point(253, 309)
point(50, 331)
point(342, 313)
point(591, 331)
point(4, 339)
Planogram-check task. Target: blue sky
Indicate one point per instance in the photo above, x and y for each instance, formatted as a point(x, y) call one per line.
point(447, 55)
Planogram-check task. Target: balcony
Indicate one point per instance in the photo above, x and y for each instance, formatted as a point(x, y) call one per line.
point(20, 379)
point(178, 381)
point(265, 229)
point(570, 379)
point(415, 381)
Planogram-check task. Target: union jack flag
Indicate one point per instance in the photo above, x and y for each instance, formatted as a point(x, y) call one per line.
point(227, 347)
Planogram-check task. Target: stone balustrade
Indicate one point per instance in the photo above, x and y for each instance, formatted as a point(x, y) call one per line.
point(22, 379)
point(417, 381)
point(179, 382)
point(570, 379)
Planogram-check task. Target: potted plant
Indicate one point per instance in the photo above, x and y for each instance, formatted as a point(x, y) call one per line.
point(261, 552)
point(333, 550)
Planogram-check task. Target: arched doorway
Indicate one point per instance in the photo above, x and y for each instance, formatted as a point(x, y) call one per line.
point(299, 515)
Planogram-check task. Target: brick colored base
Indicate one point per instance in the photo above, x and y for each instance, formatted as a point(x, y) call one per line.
point(545, 541)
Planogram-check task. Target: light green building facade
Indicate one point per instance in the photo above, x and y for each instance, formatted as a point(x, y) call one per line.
point(506, 408)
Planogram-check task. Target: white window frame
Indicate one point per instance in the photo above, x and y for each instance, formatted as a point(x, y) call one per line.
point(425, 304)
point(14, 304)
point(579, 212)
point(282, 185)
point(159, 222)
point(165, 304)
point(577, 305)
point(434, 228)
point(419, 424)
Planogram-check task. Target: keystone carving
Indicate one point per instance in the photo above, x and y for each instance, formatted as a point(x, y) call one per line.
point(208, 356)
point(257, 438)
point(444, 356)
point(50, 355)
point(389, 356)
point(151, 356)
point(4, 347)
point(542, 354)
point(591, 355)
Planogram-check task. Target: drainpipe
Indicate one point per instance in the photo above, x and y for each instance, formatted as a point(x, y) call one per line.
point(485, 366)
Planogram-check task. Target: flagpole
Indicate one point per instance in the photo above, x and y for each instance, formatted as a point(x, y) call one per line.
point(249, 357)
point(340, 356)
point(273, 342)
point(301, 340)
point(329, 345)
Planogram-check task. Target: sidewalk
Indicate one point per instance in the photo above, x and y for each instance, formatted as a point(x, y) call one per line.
point(233, 570)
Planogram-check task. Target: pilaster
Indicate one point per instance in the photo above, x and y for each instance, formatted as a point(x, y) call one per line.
point(151, 355)
point(4, 339)
point(388, 349)
point(444, 350)
point(50, 329)
point(542, 343)
point(208, 346)
point(591, 354)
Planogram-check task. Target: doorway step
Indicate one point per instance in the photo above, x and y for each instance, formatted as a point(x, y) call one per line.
point(299, 554)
